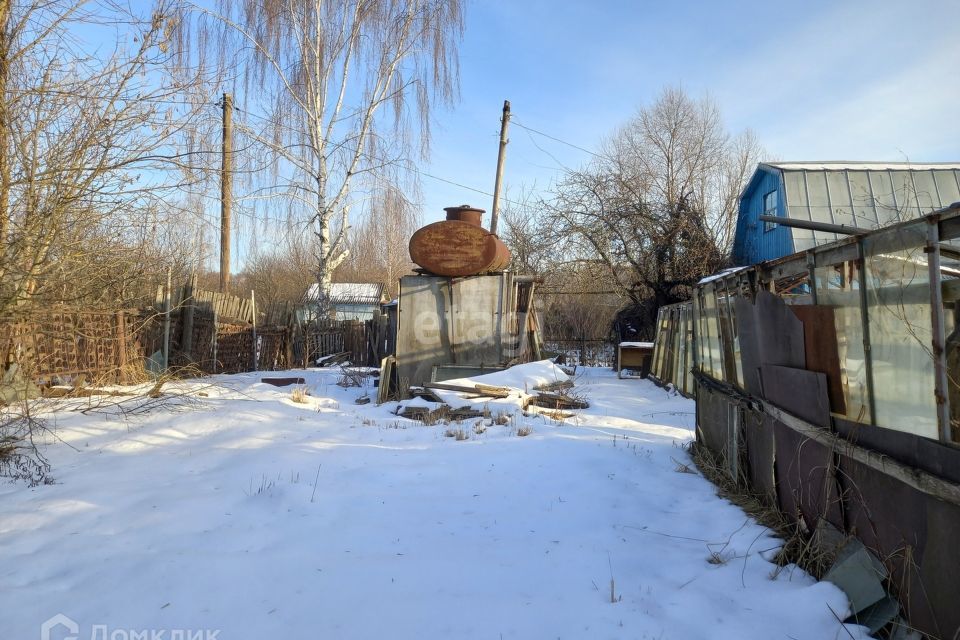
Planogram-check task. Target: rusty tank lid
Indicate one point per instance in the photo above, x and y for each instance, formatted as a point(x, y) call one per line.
point(465, 213)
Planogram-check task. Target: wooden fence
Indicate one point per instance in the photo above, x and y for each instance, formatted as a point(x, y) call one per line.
point(63, 345)
point(209, 332)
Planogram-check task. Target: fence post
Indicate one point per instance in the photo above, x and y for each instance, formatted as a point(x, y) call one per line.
point(253, 313)
point(121, 347)
point(166, 327)
point(186, 339)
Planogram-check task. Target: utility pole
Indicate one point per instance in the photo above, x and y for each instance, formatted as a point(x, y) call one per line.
point(226, 192)
point(495, 211)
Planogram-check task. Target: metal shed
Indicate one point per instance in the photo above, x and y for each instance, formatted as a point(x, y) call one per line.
point(476, 321)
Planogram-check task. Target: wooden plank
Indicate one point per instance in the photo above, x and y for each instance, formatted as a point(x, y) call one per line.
point(479, 389)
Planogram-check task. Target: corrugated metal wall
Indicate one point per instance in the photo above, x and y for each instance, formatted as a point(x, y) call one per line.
point(752, 243)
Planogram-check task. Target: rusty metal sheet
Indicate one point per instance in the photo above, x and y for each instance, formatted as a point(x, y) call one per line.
point(820, 349)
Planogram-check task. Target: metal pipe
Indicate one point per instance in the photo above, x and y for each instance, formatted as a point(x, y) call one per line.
point(826, 227)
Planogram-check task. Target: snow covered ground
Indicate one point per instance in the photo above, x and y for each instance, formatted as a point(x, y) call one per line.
point(237, 512)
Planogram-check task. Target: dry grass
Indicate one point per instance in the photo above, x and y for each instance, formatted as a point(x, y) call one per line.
point(299, 394)
point(456, 434)
point(799, 546)
point(524, 430)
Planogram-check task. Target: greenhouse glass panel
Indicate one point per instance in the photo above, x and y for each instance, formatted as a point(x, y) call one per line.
point(698, 312)
point(684, 374)
point(817, 193)
point(658, 346)
point(927, 196)
point(711, 320)
point(947, 186)
point(864, 213)
point(796, 195)
point(905, 194)
point(884, 199)
point(735, 341)
point(675, 364)
point(838, 288)
point(898, 304)
point(803, 240)
point(840, 204)
point(822, 237)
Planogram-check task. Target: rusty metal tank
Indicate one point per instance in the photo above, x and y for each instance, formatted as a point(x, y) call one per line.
point(458, 246)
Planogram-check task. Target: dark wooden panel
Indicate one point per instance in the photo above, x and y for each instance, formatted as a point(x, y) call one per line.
point(934, 457)
point(806, 479)
point(820, 349)
point(798, 391)
point(779, 332)
point(749, 349)
point(712, 411)
point(758, 433)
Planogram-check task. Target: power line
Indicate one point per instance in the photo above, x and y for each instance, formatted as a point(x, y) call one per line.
point(555, 139)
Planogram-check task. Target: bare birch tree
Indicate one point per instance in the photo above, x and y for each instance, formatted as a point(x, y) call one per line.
point(378, 247)
point(336, 93)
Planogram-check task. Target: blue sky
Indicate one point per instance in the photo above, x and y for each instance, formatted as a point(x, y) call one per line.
point(843, 80)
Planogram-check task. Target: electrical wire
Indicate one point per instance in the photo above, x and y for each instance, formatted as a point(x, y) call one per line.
point(555, 139)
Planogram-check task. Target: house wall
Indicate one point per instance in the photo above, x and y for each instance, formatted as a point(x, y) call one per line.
point(752, 244)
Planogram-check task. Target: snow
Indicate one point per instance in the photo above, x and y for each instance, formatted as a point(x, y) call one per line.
point(721, 274)
point(862, 166)
point(640, 345)
point(230, 507)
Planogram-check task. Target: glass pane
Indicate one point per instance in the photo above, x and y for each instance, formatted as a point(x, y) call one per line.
point(796, 192)
point(735, 342)
point(658, 345)
point(803, 243)
point(837, 287)
point(822, 237)
point(817, 192)
point(905, 194)
point(864, 213)
point(947, 186)
point(840, 204)
point(712, 328)
point(926, 191)
point(689, 337)
point(884, 199)
point(684, 373)
point(675, 340)
point(898, 303)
